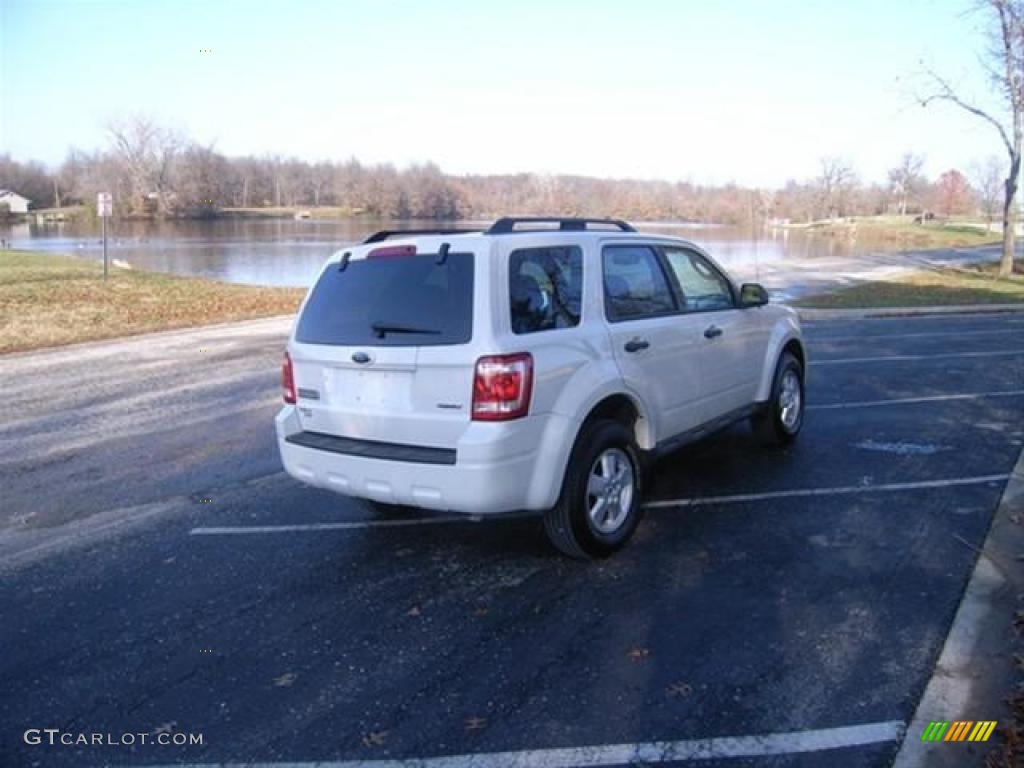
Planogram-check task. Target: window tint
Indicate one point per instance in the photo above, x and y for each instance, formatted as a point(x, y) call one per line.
point(413, 301)
point(634, 283)
point(703, 287)
point(545, 288)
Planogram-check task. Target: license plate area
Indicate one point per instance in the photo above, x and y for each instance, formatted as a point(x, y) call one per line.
point(369, 389)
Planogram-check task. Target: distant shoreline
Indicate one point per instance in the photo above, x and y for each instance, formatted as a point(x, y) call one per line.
point(884, 232)
point(70, 213)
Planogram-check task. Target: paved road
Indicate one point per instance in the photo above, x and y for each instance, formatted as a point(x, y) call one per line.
point(802, 595)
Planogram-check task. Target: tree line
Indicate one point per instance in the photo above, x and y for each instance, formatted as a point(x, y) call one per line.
point(153, 171)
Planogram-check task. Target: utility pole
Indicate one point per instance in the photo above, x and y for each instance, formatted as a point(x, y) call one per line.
point(104, 207)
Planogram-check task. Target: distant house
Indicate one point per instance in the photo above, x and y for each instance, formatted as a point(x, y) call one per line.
point(15, 202)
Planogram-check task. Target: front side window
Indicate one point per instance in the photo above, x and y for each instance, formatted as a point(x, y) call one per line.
point(634, 283)
point(405, 301)
point(703, 287)
point(545, 288)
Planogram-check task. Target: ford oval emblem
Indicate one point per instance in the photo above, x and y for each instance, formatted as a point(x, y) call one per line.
point(360, 357)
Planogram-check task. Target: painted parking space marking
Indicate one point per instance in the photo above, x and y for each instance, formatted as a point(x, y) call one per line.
point(355, 524)
point(908, 358)
point(690, 502)
point(644, 753)
point(738, 498)
point(914, 400)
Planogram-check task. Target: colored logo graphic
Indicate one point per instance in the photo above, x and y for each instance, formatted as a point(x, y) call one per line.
point(958, 730)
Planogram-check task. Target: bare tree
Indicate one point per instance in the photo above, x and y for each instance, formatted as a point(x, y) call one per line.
point(906, 179)
point(147, 151)
point(319, 179)
point(30, 179)
point(988, 181)
point(835, 184)
point(201, 180)
point(1006, 69)
point(952, 193)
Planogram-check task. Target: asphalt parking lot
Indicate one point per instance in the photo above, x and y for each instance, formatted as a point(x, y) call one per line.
point(774, 609)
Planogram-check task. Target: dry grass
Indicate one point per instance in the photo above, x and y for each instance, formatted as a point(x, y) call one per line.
point(941, 287)
point(896, 233)
point(53, 300)
point(1010, 754)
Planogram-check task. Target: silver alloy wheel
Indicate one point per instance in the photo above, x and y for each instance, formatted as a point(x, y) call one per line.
point(610, 489)
point(790, 400)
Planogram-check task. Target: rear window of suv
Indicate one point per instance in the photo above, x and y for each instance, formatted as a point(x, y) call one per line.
point(405, 301)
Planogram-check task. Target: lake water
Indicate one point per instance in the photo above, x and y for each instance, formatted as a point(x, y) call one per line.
point(290, 252)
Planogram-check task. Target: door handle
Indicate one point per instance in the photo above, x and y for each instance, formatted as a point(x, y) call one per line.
point(635, 345)
point(712, 331)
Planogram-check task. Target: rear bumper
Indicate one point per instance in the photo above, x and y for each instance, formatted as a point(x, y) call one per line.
point(498, 467)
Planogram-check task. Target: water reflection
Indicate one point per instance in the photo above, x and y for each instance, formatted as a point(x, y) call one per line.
point(290, 252)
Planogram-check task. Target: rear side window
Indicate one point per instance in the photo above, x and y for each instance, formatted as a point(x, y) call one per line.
point(404, 301)
point(634, 283)
point(545, 288)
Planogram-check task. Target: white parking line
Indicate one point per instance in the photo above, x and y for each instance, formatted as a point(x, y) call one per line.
point(693, 502)
point(354, 524)
point(904, 358)
point(840, 490)
point(645, 753)
point(909, 400)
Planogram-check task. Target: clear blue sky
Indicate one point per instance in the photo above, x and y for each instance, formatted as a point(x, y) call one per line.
point(754, 92)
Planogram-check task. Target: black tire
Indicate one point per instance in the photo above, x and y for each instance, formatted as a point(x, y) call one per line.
point(568, 523)
point(770, 426)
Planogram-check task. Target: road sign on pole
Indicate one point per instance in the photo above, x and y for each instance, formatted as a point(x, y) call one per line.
point(104, 208)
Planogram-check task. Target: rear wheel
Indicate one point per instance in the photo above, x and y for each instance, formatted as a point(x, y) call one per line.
point(599, 507)
point(780, 422)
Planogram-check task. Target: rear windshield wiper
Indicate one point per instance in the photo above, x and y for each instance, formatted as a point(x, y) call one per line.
point(382, 329)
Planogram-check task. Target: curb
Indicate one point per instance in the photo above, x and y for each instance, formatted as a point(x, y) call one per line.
point(973, 673)
point(809, 313)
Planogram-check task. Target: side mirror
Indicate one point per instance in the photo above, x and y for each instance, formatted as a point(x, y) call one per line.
point(753, 295)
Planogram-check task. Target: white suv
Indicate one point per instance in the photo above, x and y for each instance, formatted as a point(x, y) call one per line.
point(536, 365)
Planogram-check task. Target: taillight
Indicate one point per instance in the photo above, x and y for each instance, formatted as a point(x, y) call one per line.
point(501, 387)
point(288, 379)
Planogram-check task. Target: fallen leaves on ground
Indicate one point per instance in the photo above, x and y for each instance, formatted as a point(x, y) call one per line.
point(285, 680)
point(679, 690)
point(375, 739)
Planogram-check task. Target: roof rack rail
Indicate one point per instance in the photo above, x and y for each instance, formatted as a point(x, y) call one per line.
point(384, 234)
point(508, 224)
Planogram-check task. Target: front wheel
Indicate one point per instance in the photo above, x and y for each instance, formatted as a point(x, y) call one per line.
point(780, 422)
point(599, 506)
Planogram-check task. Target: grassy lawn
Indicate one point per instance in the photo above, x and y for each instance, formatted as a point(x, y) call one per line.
point(971, 285)
point(889, 233)
point(52, 300)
